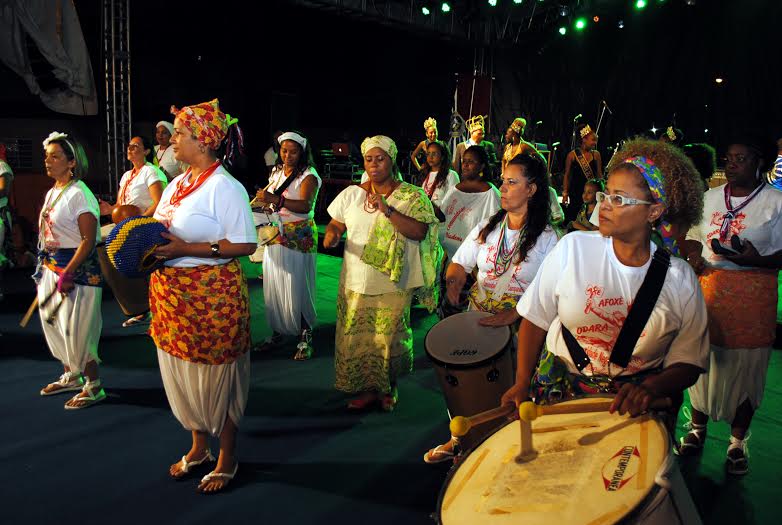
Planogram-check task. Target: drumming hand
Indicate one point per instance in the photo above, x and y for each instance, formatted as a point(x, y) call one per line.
point(633, 399)
point(453, 288)
point(503, 318)
point(175, 248)
point(748, 256)
point(565, 198)
point(105, 207)
point(516, 395)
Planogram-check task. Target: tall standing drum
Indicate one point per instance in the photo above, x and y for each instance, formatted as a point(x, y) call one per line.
point(590, 468)
point(474, 365)
point(132, 295)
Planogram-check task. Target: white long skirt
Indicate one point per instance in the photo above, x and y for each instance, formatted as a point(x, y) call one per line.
point(288, 288)
point(735, 375)
point(201, 395)
point(73, 336)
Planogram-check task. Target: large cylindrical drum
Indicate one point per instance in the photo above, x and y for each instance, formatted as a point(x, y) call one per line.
point(131, 294)
point(474, 366)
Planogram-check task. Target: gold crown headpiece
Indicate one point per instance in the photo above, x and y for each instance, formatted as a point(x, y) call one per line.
point(475, 122)
point(518, 124)
point(430, 123)
point(671, 134)
point(586, 130)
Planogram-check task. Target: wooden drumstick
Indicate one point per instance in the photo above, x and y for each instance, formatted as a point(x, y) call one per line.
point(30, 312)
point(460, 425)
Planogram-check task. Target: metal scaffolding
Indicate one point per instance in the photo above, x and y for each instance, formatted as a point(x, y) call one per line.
point(116, 57)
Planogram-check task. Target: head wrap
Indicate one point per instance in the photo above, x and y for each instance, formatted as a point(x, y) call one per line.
point(206, 122)
point(518, 125)
point(166, 124)
point(654, 178)
point(586, 130)
point(476, 122)
point(382, 142)
point(430, 123)
point(295, 137)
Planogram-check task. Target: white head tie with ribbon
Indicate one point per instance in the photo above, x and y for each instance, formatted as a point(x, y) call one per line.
point(382, 142)
point(295, 137)
point(166, 124)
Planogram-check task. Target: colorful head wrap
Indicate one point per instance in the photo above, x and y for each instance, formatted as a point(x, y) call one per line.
point(586, 130)
point(295, 137)
point(382, 142)
point(166, 124)
point(206, 122)
point(518, 125)
point(476, 122)
point(430, 123)
point(654, 178)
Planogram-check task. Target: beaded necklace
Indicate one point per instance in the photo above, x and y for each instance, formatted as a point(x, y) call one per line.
point(185, 187)
point(505, 253)
point(367, 206)
point(123, 193)
point(46, 211)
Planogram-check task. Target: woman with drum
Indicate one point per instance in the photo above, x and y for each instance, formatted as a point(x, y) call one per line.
point(199, 300)
point(289, 259)
point(581, 164)
point(507, 249)
point(438, 177)
point(68, 277)
point(391, 253)
point(737, 251)
point(579, 303)
point(140, 190)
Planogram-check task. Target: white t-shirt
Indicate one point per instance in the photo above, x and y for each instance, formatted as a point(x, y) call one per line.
point(219, 209)
point(137, 190)
point(270, 157)
point(5, 169)
point(583, 285)
point(471, 253)
point(437, 195)
point(462, 212)
point(61, 227)
point(760, 223)
point(557, 215)
point(292, 192)
point(172, 167)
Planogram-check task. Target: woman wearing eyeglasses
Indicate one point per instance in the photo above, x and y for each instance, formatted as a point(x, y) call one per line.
point(587, 283)
point(737, 251)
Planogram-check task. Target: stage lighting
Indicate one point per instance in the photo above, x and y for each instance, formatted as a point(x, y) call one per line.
point(654, 130)
point(595, 19)
point(620, 24)
point(706, 130)
point(640, 4)
point(517, 1)
point(425, 11)
point(580, 24)
point(563, 11)
point(718, 80)
point(493, 3)
point(563, 30)
point(446, 7)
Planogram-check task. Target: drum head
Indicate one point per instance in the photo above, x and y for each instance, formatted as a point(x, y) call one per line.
point(459, 341)
point(590, 468)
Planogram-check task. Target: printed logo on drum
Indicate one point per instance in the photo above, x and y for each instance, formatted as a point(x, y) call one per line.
point(464, 352)
point(621, 468)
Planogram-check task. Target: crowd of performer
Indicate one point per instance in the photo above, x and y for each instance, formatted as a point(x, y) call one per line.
point(452, 243)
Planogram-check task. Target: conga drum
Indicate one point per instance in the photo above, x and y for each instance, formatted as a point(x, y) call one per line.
point(474, 366)
point(590, 468)
point(131, 294)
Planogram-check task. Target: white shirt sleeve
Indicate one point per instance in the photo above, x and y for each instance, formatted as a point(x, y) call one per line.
point(233, 211)
point(467, 254)
point(540, 301)
point(78, 204)
point(691, 344)
point(152, 174)
point(337, 207)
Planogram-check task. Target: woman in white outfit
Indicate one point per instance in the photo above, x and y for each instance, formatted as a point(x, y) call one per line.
point(289, 259)
point(199, 301)
point(68, 276)
point(164, 154)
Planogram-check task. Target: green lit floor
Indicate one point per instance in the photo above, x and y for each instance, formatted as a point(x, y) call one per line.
point(303, 458)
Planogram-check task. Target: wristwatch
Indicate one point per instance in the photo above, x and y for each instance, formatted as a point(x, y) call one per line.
point(215, 250)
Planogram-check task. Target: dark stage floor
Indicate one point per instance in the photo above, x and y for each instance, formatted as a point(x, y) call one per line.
point(303, 458)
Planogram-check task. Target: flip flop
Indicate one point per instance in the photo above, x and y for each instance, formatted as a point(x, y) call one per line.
point(185, 465)
point(67, 383)
point(138, 319)
point(90, 399)
point(209, 477)
point(438, 455)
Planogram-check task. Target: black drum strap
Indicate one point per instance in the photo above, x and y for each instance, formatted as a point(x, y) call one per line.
point(641, 309)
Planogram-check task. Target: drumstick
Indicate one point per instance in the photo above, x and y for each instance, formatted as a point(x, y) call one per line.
point(30, 312)
point(256, 196)
point(460, 425)
point(529, 411)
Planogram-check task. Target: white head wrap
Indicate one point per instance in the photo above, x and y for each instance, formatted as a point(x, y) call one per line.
point(59, 135)
point(382, 142)
point(295, 137)
point(169, 126)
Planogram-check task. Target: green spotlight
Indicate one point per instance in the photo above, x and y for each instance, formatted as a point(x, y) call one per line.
point(563, 30)
point(425, 11)
point(580, 24)
point(446, 7)
point(516, 1)
point(640, 4)
point(493, 3)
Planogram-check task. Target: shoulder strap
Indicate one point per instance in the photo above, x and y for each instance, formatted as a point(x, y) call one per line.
point(636, 320)
point(285, 184)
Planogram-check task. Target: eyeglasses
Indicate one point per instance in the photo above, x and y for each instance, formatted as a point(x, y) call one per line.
point(618, 200)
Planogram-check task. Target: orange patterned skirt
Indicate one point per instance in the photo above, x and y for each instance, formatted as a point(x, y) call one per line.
point(742, 307)
point(201, 314)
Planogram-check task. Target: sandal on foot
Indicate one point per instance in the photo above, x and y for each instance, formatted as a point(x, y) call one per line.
point(737, 459)
point(139, 319)
point(185, 465)
point(225, 475)
point(268, 343)
point(68, 382)
point(438, 454)
point(692, 443)
point(90, 398)
point(304, 348)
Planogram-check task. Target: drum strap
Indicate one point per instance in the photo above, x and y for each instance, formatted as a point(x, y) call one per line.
point(641, 309)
